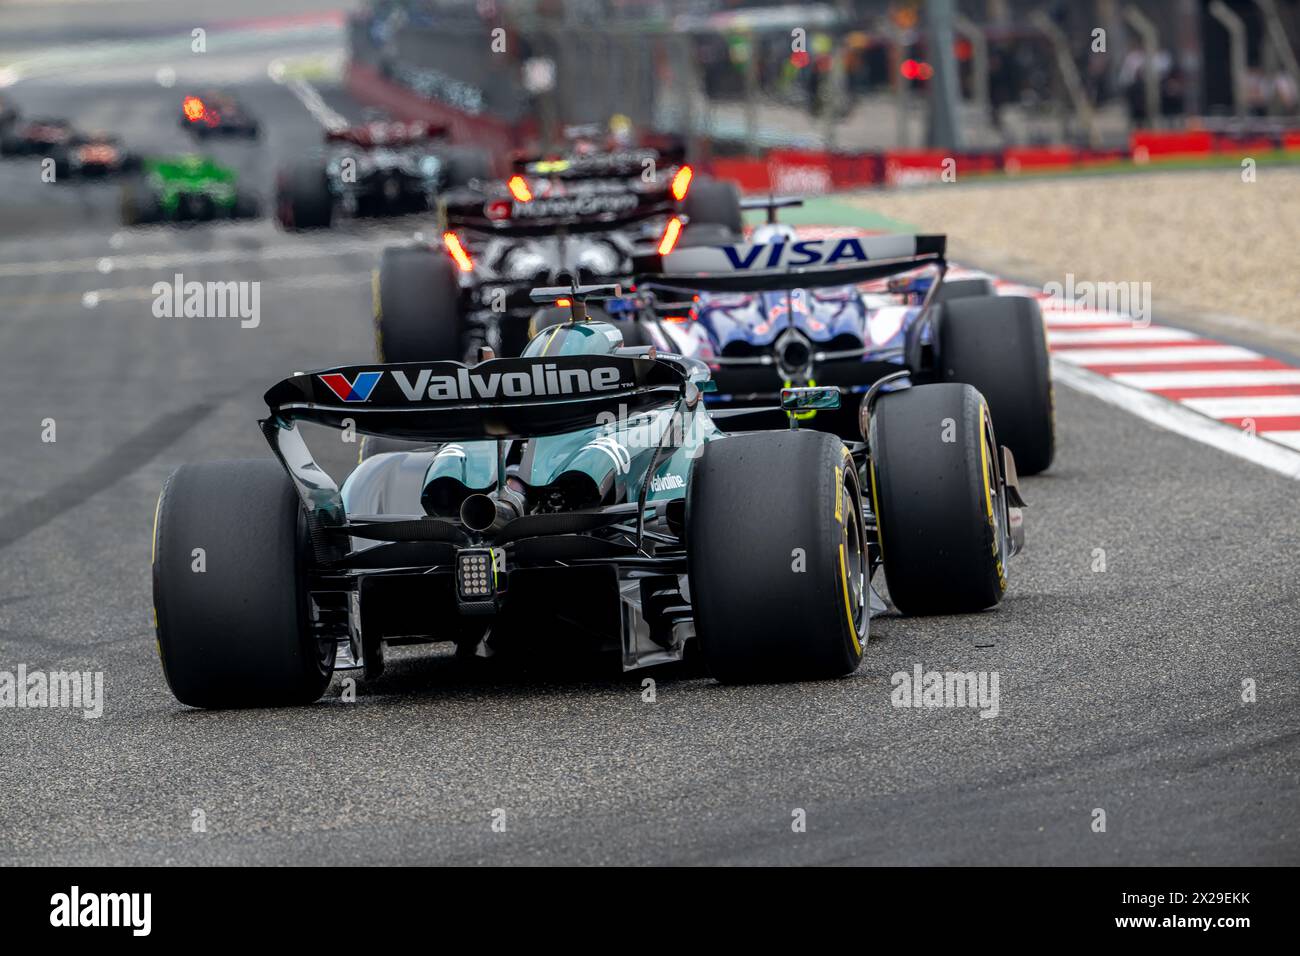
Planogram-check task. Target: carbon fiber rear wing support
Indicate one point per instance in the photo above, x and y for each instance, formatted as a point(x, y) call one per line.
point(322, 503)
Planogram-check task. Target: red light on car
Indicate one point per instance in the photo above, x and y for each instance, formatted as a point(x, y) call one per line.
point(497, 210)
point(672, 232)
point(564, 303)
point(682, 182)
point(916, 70)
point(457, 251)
point(193, 108)
point(519, 189)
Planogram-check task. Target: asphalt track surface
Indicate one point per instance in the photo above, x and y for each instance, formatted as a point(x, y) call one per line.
point(1120, 689)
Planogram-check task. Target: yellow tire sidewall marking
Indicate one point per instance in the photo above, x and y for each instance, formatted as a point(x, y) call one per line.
point(988, 494)
point(848, 607)
point(840, 494)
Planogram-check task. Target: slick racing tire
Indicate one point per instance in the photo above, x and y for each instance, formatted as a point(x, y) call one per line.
point(952, 289)
point(714, 202)
point(229, 562)
point(934, 490)
point(777, 557)
point(466, 164)
point(417, 307)
point(303, 199)
point(998, 344)
point(140, 206)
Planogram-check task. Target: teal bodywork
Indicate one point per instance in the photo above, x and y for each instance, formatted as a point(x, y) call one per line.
point(610, 461)
point(615, 454)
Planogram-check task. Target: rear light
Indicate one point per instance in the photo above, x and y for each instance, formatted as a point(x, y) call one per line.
point(672, 232)
point(497, 210)
point(682, 183)
point(519, 189)
point(564, 303)
point(457, 251)
point(192, 106)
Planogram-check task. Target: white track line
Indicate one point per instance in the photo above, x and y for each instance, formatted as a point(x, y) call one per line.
point(1246, 406)
point(1128, 333)
point(1056, 318)
point(1221, 379)
point(1173, 355)
point(310, 97)
point(1183, 421)
point(1286, 438)
point(165, 260)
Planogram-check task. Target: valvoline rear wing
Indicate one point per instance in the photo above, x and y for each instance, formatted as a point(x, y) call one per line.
point(499, 398)
point(800, 264)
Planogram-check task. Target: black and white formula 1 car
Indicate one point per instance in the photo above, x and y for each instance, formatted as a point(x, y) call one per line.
point(583, 215)
point(776, 312)
point(578, 497)
point(217, 114)
point(381, 168)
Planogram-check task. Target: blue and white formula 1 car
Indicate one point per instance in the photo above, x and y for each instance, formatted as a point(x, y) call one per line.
point(776, 312)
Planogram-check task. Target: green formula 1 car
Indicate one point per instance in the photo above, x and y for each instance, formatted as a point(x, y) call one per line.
point(185, 189)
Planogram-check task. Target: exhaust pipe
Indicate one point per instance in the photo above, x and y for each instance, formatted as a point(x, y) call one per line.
point(486, 513)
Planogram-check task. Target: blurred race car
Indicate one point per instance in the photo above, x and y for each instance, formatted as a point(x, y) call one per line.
point(185, 189)
point(774, 313)
point(35, 136)
point(580, 497)
point(382, 168)
point(217, 114)
point(93, 155)
point(583, 215)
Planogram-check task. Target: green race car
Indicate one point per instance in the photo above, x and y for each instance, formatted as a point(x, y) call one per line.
point(185, 189)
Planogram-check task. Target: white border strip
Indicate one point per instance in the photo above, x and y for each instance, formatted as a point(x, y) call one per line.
point(1180, 419)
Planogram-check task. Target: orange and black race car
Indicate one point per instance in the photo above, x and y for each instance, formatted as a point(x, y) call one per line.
point(92, 155)
point(215, 113)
